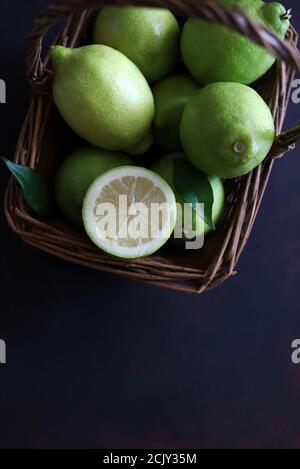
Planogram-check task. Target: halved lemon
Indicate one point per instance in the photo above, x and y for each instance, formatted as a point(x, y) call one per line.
point(129, 212)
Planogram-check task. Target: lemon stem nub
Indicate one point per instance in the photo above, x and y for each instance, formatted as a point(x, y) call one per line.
point(287, 16)
point(239, 148)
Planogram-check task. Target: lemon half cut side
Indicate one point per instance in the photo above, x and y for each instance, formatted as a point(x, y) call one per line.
point(129, 212)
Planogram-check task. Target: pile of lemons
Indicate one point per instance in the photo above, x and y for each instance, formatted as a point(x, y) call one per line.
point(178, 92)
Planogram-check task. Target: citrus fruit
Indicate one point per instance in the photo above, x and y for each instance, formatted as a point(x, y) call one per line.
point(165, 168)
point(150, 37)
point(77, 173)
point(121, 212)
point(214, 53)
point(103, 96)
point(170, 97)
point(227, 129)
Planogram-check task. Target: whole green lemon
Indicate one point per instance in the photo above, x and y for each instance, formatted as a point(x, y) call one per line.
point(150, 37)
point(164, 167)
point(78, 172)
point(227, 129)
point(170, 97)
point(214, 53)
point(103, 97)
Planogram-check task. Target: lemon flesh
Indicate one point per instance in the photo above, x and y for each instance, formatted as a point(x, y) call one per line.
point(120, 212)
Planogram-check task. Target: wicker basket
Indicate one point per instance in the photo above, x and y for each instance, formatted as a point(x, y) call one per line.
point(44, 140)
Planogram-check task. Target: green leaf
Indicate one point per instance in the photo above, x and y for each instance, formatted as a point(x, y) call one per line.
point(34, 189)
point(194, 187)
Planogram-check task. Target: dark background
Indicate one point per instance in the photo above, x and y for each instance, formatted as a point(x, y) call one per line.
point(97, 361)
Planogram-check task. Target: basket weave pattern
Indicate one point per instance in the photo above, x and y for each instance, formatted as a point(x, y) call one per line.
point(40, 141)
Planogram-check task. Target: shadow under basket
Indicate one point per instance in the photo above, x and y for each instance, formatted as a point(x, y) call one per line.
point(45, 140)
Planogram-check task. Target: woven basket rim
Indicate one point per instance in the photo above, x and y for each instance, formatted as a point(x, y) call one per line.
point(155, 270)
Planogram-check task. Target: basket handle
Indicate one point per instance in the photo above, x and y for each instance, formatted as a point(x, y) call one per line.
point(209, 10)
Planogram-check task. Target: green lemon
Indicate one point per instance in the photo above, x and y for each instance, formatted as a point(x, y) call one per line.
point(103, 96)
point(227, 129)
point(214, 53)
point(164, 167)
point(78, 172)
point(149, 37)
point(170, 97)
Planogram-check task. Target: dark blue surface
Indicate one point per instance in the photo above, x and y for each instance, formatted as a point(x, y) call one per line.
point(97, 361)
